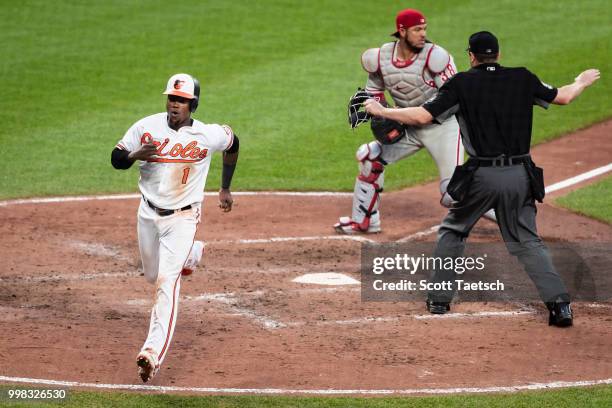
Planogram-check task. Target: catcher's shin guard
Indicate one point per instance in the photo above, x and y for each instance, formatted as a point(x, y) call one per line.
point(365, 216)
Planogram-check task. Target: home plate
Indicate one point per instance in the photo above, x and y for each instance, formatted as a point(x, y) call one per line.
point(326, 278)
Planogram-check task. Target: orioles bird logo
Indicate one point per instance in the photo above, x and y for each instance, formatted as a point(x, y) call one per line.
point(178, 84)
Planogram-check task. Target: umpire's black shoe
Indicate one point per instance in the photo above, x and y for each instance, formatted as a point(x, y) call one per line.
point(437, 307)
point(560, 314)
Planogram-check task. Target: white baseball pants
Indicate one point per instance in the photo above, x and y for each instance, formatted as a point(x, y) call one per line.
point(165, 243)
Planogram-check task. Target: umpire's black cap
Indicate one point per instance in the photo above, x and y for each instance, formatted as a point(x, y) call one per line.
point(483, 42)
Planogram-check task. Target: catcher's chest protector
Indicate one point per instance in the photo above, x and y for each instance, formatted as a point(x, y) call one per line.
point(406, 85)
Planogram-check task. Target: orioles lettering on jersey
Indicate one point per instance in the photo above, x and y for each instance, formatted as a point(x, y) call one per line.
point(189, 151)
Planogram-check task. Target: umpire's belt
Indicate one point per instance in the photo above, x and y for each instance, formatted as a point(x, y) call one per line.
point(501, 160)
point(163, 212)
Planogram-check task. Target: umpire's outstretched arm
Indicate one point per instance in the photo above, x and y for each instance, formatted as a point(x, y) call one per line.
point(568, 93)
point(420, 116)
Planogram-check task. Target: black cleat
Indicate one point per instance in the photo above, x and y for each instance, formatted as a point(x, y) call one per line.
point(560, 314)
point(437, 307)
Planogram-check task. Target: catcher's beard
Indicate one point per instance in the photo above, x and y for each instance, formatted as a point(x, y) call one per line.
point(412, 47)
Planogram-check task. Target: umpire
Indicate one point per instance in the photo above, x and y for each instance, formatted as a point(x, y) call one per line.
point(494, 108)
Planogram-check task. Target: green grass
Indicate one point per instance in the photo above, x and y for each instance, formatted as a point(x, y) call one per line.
point(593, 200)
point(571, 397)
point(75, 75)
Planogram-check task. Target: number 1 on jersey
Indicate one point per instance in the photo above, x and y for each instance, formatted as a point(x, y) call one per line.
point(185, 175)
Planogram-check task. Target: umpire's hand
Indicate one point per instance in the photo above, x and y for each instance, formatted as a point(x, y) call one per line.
point(586, 78)
point(225, 200)
point(373, 107)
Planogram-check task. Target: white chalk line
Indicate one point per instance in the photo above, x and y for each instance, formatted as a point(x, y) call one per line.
point(67, 199)
point(98, 249)
point(230, 301)
point(307, 291)
point(48, 200)
point(72, 276)
point(291, 239)
point(554, 187)
point(346, 322)
point(579, 178)
point(420, 234)
point(598, 305)
point(329, 391)
point(289, 193)
point(270, 323)
point(474, 315)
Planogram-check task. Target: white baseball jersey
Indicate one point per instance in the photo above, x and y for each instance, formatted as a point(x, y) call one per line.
point(176, 175)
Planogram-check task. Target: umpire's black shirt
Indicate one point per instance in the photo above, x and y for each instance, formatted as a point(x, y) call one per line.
point(494, 108)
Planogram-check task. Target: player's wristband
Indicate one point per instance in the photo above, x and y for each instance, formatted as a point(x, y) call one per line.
point(120, 159)
point(227, 174)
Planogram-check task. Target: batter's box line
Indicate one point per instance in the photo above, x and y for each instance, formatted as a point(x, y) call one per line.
point(230, 301)
point(99, 249)
point(233, 295)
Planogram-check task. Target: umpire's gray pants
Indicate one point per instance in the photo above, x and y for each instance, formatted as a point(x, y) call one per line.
point(507, 190)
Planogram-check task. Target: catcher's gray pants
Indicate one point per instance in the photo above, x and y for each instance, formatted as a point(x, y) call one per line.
point(507, 190)
point(442, 141)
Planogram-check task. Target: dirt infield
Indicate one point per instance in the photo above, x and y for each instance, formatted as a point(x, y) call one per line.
point(74, 306)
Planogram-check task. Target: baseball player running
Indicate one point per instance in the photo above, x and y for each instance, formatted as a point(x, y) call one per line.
point(412, 70)
point(175, 151)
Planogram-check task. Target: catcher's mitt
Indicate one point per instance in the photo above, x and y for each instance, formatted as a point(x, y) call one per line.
point(357, 116)
point(387, 131)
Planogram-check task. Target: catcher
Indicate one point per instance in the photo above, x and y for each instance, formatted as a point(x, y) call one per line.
point(411, 69)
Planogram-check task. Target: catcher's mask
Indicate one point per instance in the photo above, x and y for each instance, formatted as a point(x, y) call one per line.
point(357, 115)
